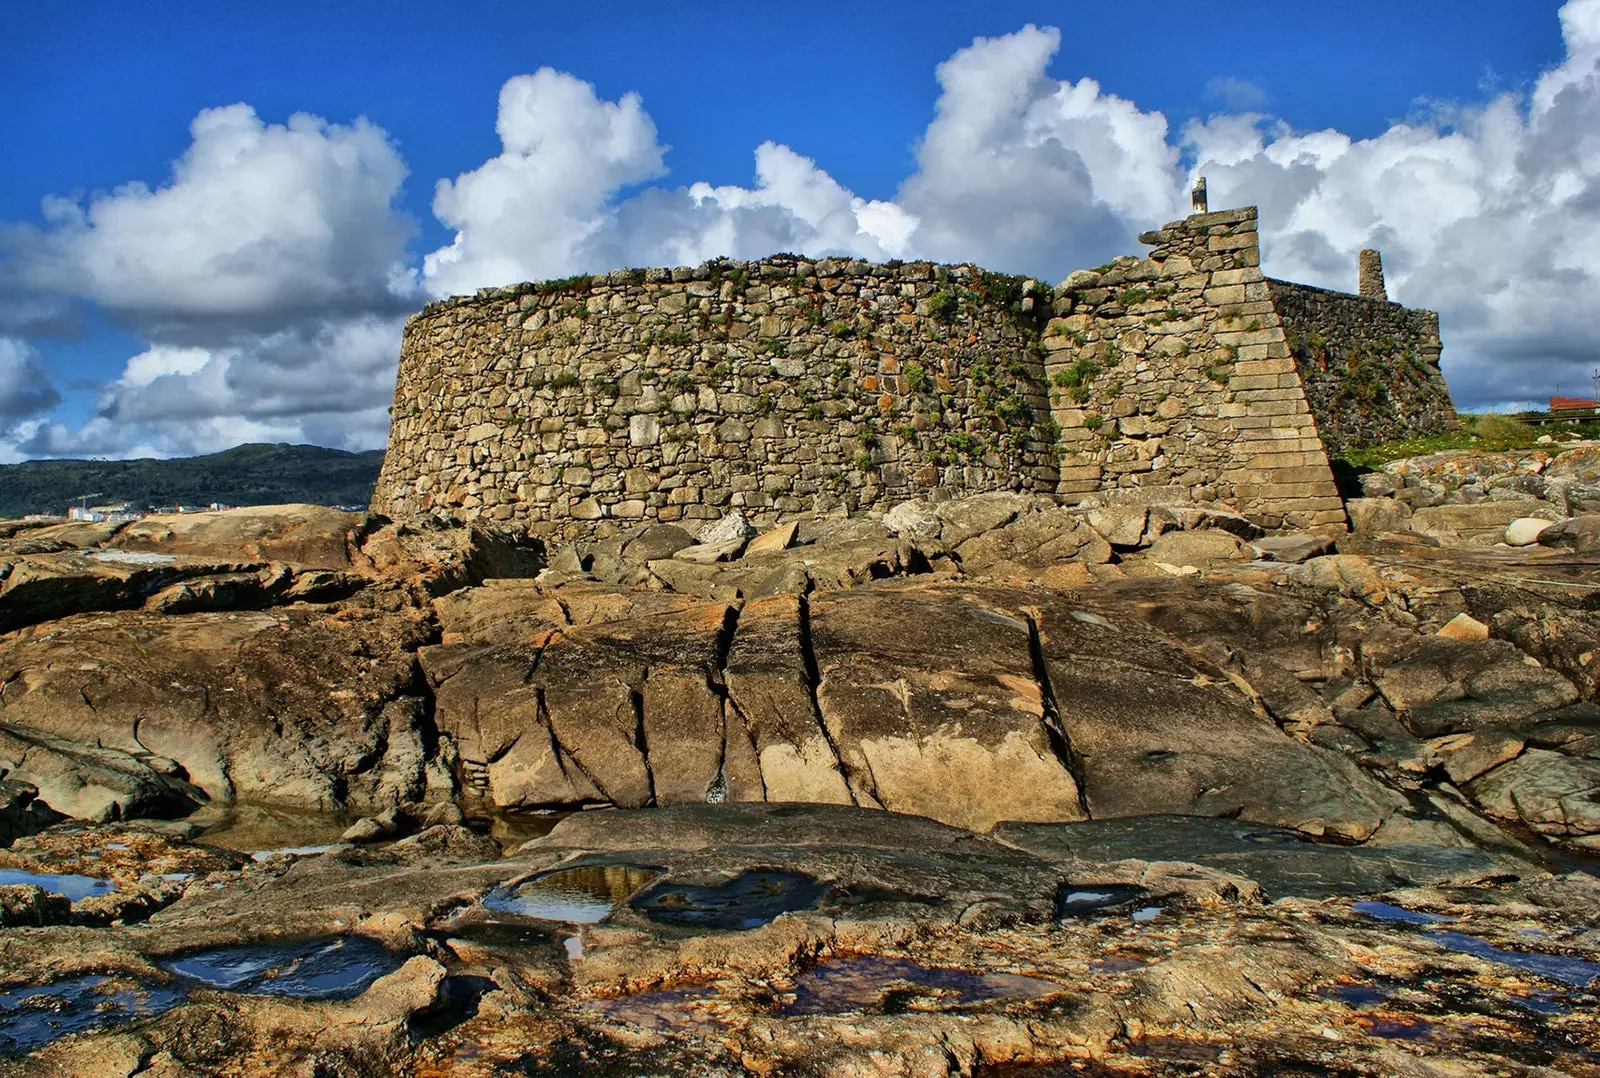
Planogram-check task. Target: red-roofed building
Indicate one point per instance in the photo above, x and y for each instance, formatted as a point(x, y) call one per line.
point(1573, 404)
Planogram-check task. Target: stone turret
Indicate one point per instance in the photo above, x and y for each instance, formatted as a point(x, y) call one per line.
point(1371, 284)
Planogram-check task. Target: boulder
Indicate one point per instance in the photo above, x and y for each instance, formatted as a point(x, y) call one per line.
point(1378, 485)
point(1348, 574)
point(915, 521)
point(295, 706)
point(770, 689)
point(89, 782)
point(1031, 542)
point(1290, 548)
point(615, 704)
point(1580, 534)
point(1466, 756)
point(709, 553)
point(21, 811)
point(657, 541)
point(1507, 694)
point(773, 540)
point(1122, 525)
point(1165, 518)
point(1283, 861)
point(966, 518)
point(1465, 627)
point(929, 696)
point(1369, 516)
point(732, 526)
point(1444, 685)
point(42, 587)
point(1481, 523)
point(1152, 733)
point(1525, 531)
point(1551, 793)
point(312, 536)
point(1199, 549)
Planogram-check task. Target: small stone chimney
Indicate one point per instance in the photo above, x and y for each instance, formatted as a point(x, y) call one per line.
point(1372, 276)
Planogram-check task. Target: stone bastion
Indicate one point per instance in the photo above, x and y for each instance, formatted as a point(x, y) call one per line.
point(576, 408)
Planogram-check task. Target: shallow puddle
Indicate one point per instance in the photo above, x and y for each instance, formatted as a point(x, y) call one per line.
point(338, 968)
point(874, 983)
point(1576, 972)
point(580, 896)
point(1384, 911)
point(31, 1018)
point(1354, 995)
point(512, 829)
point(70, 887)
point(292, 851)
point(1398, 1029)
point(1083, 900)
point(661, 1011)
point(749, 900)
point(262, 830)
point(1573, 971)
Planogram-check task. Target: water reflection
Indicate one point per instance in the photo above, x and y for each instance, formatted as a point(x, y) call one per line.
point(68, 886)
point(31, 1018)
point(874, 983)
point(582, 895)
point(338, 968)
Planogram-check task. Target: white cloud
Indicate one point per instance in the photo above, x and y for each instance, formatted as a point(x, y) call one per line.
point(1491, 214)
point(1025, 173)
point(1239, 95)
point(274, 387)
point(259, 222)
point(527, 212)
point(268, 278)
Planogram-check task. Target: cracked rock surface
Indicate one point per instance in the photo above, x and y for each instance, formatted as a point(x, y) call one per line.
point(989, 787)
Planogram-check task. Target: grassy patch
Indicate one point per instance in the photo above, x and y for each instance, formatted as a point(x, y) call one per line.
point(1488, 432)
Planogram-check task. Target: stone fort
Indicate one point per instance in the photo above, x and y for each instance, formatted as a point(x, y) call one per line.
point(576, 408)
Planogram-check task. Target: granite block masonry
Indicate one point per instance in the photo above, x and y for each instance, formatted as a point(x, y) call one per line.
point(577, 408)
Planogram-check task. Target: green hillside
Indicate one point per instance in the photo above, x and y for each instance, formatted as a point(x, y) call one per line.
point(256, 474)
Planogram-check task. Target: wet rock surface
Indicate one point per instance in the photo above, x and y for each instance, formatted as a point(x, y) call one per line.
point(981, 787)
point(828, 939)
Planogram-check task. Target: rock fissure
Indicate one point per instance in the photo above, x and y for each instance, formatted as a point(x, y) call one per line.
point(1054, 726)
point(640, 741)
point(813, 679)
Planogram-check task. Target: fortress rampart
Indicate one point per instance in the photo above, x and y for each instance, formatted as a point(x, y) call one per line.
point(778, 386)
point(574, 408)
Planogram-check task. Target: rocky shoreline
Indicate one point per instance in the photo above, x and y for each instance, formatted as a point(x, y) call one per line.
point(988, 786)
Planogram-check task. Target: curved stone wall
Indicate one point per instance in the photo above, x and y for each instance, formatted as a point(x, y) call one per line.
point(787, 386)
point(780, 386)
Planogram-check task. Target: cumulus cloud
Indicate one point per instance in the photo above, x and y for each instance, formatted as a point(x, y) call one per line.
point(268, 278)
point(1236, 94)
point(1023, 172)
point(527, 212)
point(259, 221)
point(1489, 213)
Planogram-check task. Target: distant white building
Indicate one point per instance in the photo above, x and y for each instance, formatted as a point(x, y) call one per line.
point(104, 514)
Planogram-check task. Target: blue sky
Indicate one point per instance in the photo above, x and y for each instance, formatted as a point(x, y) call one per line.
point(253, 287)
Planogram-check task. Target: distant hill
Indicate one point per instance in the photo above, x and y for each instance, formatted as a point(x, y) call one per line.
point(256, 474)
